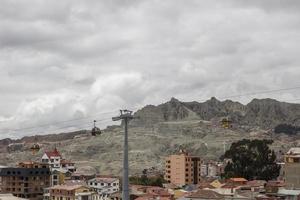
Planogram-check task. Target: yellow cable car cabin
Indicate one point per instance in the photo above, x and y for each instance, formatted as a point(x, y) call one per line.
point(226, 123)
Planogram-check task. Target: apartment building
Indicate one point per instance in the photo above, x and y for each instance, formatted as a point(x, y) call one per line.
point(27, 180)
point(105, 185)
point(72, 192)
point(182, 169)
point(292, 168)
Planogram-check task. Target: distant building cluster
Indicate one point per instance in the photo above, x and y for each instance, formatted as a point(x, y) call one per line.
point(55, 178)
point(186, 177)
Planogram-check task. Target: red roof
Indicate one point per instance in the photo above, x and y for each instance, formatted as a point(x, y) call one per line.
point(54, 153)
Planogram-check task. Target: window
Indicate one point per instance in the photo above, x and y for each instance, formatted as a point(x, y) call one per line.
point(95, 183)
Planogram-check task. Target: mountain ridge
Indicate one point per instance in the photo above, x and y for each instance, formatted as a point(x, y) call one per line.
point(264, 113)
point(161, 130)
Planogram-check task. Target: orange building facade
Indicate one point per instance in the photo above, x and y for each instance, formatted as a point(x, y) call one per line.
point(182, 169)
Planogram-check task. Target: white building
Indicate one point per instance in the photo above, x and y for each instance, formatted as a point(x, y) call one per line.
point(53, 158)
point(105, 185)
point(56, 161)
point(60, 168)
point(68, 165)
point(211, 169)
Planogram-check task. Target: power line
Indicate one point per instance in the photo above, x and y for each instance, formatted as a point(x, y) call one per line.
point(87, 125)
point(260, 92)
point(60, 122)
point(103, 113)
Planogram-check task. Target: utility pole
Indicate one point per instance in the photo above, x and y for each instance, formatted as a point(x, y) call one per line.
point(125, 116)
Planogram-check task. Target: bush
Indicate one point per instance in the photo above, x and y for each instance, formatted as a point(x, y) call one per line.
point(287, 129)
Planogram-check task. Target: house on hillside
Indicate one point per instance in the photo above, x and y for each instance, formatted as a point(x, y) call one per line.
point(68, 164)
point(56, 161)
point(141, 192)
point(71, 192)
point(105, 185)
point(204, 195)
point(53, 158)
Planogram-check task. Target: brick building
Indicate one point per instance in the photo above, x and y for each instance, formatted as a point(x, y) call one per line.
point(27, 180)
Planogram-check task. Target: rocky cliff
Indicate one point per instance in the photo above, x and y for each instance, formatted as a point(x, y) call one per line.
point(263, 113)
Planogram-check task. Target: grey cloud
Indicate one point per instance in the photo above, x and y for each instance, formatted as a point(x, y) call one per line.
point(66, 59)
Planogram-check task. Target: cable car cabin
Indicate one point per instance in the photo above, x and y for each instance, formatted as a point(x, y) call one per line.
point(96, 131)
point(226, 123)
point(35, 148)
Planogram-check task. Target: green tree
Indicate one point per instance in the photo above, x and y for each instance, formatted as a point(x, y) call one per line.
point(147, 181)
point(251, 159)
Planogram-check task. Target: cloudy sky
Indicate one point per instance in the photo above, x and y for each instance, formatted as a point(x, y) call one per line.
point(79, 60)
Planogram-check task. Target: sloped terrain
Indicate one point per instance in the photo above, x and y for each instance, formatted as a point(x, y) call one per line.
point(162, 130)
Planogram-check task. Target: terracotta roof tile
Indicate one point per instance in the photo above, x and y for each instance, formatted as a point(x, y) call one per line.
point(206, 194)
point(54, 153)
